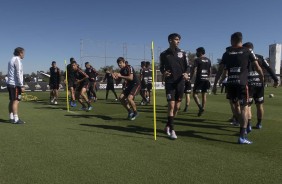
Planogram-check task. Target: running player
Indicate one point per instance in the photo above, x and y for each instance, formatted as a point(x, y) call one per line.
point(54, 83)
point(71, 81)
point(110, 83)
point(256, 88)
point(131, 88)
point(15, 84)
point(82, 82)
point(202, 68)
point(92, 73)
point(236, 61)
point(173, 65)
point(143, 80)
point(149, 82)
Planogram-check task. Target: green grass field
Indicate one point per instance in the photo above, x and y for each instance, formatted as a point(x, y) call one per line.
point(101, 146)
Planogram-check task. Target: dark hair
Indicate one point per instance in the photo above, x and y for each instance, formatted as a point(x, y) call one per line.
point(53, 62)
point(148, 63)
point(18, 50)
point(237, 37)
point(248, 45)
point(201, 50)
point(120, 59)
point(72, 59)
point(143, 63)
point(72, 62)
point(86, 63)
point(173, 36)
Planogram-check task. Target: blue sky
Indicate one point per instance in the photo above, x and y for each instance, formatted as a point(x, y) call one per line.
point(52, 30)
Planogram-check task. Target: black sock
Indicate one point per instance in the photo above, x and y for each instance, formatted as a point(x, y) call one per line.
point(259, 121)
point(242, 132)
point(170, 122)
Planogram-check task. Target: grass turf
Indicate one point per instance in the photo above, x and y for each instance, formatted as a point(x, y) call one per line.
point(101, 146)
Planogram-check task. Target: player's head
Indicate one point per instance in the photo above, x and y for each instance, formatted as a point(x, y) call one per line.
point(72, 59)
point(200, 51)
point(87, 65)
point(148, 64)
point(121, 62)
point(174, 39)
point(143, 63)
point(126, 63)
point(19, 51)
point(74, 65)
point(236, 39)
point(248, 45)
point(54, 64)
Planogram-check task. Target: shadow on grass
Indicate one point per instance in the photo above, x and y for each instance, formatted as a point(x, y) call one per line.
point(4, 121)
point(103, 117)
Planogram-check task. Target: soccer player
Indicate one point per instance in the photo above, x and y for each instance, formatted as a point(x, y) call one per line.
point(92, 73)
point(236, 60)
point(149, 83)
point(54, 82)
point(202, 68)
point(131, 88)
point(143, 80)
point(82, 82)
point(256, 88)
point(71, 81)
point(187, 92)
point(173, 65)
point(15, 84)
point(110, 83)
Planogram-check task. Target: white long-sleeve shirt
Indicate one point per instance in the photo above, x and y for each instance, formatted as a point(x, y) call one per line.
point(15, 72)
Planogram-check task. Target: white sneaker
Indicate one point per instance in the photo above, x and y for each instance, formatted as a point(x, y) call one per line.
point(167, 130)
point(55, 102)
point(173, 135)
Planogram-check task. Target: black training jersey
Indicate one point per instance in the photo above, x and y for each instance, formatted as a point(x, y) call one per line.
point(149, 74)
point(79, 74)
point(175, 62)
point(92, 73)
point(109, 78)
point(203, 65)
point(126, 71)
point(71, 72)
point(236, 62)
point(55, 75)
point(253, 78)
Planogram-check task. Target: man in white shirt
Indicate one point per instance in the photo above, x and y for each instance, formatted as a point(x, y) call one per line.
point(15, 84)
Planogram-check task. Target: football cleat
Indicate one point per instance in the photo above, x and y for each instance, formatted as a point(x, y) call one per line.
point(242, 140)
point(173, 135)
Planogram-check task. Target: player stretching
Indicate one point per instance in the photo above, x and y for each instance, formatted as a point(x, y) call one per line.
point(236, 60)
point(131, 88)
point(82, 81)
point(256, 88)
point(173, 65)
point(54, 83)
point(202, 68)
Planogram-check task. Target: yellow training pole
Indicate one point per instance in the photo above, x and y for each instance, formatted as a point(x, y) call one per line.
point(154, 90)
point(67, 87)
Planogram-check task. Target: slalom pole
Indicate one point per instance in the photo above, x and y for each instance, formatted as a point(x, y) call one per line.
point(154, 90)
point(67, 87)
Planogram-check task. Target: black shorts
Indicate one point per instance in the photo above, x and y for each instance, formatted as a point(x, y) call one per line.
point(256, 93)
point(15, 93)
point(188, 88)
point(238, 93)
point(149, 87)
point(54, 86)
point(174, 91)
point(131, 90)
point(72, 84)
point(202, 86)
point(110, 86)
point(143, 86)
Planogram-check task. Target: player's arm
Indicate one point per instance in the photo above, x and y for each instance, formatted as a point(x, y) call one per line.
point(129, 77)
point(271, 72)
point(85, 76)
point(217, 76)
point(17, 66)
point(186, 66)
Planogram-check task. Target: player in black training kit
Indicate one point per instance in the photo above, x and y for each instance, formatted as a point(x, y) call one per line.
point(92, 74)
point(187, 90)
point(143, 81)
point(149, 81)
point(71, 81)
point(110, 83)
point(202, 68)
point(54, 83)
point(173, 65)
point(131, 88)
point(236, 60)
point(256, 88)
point(82, 82)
